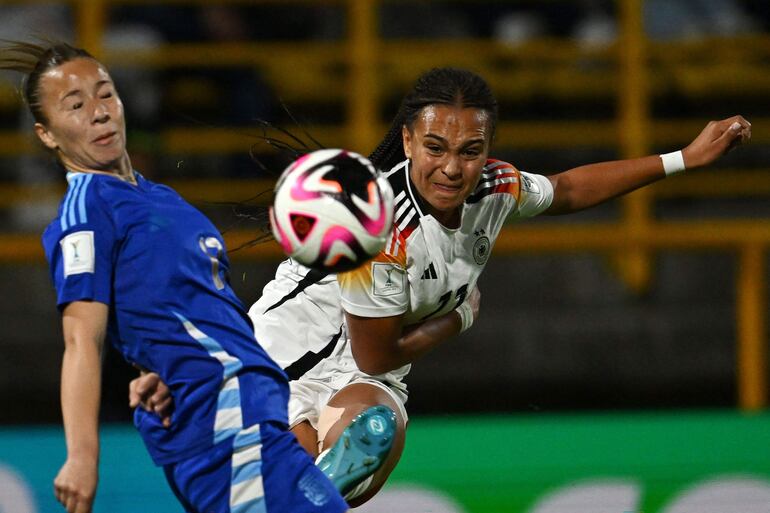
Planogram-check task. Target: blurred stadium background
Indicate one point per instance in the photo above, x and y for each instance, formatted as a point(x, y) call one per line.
point(620, 363)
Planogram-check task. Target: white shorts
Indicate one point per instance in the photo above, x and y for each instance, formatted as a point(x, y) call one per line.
point(294, 319)
point(310, 396)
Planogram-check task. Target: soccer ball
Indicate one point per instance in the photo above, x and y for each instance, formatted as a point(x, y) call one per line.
point(332, 210)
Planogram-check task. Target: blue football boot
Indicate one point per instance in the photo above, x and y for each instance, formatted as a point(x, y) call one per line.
point(360, 450)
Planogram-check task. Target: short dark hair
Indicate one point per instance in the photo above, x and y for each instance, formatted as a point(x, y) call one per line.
point(439, 86)
point(33, 60)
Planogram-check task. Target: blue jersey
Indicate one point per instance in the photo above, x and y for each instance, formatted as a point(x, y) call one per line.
point(160, 265)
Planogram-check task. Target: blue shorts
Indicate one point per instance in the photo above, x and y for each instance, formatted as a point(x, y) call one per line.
point(263, 469)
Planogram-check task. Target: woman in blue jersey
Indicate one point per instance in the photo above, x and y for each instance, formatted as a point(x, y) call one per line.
point(358, 332)
point(133, 262)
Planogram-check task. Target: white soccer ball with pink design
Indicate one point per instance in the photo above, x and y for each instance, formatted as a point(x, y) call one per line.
point(332, 210)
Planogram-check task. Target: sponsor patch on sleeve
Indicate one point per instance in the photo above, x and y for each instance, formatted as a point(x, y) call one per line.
point(78, 253)
point(388, 279)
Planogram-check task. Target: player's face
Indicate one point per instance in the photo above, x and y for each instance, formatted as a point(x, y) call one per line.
point(85, 123)
point(448, 146)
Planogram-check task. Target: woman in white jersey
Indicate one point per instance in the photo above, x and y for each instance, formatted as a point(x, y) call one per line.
point(347, 341)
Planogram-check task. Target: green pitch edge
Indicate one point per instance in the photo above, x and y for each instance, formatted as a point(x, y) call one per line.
point(503, 464)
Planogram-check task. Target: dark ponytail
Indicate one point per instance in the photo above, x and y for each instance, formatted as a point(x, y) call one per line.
point(439, 86)
point(33, 60)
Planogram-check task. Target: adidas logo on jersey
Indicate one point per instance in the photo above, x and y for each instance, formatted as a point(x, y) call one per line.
point(429, 273)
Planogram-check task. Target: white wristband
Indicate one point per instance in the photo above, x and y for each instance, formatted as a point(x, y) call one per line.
point(673, 163)
point(466, 316)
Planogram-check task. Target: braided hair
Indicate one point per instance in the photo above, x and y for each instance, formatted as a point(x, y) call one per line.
point(439, 86)
point(34, 60)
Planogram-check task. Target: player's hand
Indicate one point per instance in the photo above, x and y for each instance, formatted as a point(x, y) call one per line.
point(75, 485)
point(152, 394)
point(474, 299)
point(715, 140)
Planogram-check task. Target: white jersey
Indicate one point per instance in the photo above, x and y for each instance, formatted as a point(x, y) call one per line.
point(425, 271)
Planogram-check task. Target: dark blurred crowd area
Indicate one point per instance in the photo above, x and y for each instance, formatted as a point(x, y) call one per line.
point(237, 96)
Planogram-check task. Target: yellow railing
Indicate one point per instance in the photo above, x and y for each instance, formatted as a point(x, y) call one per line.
point(373, 66)
point(748, 239)
point(365, 67)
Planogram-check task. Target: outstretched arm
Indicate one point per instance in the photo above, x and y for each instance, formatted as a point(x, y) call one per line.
point(585, 186)
point(84, 324)
point(382, 344)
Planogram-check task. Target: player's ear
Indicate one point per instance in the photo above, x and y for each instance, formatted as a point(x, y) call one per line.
point(406, 137)
point(45, 136)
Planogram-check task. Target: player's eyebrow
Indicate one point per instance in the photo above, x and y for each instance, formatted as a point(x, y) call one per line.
point(466, 143)
point(434, 136)
point(75, 92)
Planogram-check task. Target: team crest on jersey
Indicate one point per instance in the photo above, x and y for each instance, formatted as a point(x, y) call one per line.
point(481, 247)
point(78, 253)
point(388, 279)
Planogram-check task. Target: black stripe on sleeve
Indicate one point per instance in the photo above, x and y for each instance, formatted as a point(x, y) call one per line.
point(310, 278)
